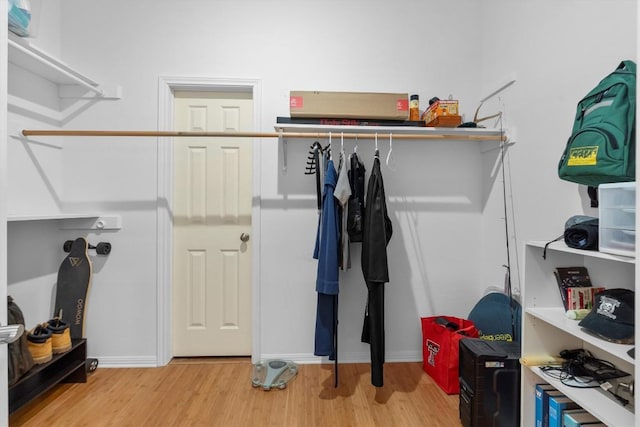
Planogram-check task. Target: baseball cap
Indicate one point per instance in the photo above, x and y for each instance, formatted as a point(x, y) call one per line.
point(612, 316)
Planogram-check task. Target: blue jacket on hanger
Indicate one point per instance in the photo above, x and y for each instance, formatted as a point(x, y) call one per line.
point(326, 252)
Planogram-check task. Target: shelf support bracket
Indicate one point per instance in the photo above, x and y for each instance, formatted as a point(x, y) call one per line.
point(282, 140)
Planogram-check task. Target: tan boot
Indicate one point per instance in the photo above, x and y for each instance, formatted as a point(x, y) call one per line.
point(60, 335)
point(39, 343)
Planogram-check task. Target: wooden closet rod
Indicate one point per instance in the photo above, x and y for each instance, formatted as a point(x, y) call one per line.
point(318, 135)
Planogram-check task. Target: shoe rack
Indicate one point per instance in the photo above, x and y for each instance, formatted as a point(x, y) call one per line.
point(68, 367)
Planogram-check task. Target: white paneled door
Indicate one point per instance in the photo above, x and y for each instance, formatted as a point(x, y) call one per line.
point(211, 226)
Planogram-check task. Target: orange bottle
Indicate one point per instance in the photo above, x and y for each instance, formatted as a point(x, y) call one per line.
point(414, 108)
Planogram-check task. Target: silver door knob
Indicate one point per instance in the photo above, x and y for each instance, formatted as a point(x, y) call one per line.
point(244, 237)
point(10, 333)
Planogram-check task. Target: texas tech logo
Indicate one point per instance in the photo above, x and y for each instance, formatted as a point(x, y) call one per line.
point(433, 348)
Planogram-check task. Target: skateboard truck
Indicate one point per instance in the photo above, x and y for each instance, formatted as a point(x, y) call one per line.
point(102, 248)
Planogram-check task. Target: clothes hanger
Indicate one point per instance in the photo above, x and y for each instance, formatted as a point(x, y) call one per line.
point(314, 168)
point(377, 153)
point(390, 151)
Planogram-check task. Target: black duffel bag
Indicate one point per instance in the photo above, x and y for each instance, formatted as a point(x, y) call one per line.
point(582, 234)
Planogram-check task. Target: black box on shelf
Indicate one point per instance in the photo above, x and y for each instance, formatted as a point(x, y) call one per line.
point(489, 374)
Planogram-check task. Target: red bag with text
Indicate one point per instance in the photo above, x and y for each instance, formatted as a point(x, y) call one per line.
point(441, 337)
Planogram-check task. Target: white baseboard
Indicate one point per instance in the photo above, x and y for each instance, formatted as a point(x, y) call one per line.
point(300, 358)
point(127, 362)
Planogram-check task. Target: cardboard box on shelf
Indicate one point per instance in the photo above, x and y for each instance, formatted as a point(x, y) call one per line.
point(445, 122)
point(440, 108)
point(349, 105)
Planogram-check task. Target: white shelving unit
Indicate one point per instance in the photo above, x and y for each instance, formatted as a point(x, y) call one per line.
point(547, 331)
point(74, 221)
point(76, 87)
point(71, 83)
point(47, 217)
point(29, 57)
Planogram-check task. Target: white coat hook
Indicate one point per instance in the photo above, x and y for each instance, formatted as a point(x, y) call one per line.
point(390, 150)
point(376, 139)
point(341, 142)
point(355, 147)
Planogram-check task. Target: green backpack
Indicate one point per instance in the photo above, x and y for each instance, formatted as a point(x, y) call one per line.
point(601, 148)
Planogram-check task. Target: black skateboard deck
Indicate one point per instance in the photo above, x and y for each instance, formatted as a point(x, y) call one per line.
point(74, 279)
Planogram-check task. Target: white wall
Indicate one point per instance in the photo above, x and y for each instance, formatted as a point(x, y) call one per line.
point(444, 197)
point(558, 51)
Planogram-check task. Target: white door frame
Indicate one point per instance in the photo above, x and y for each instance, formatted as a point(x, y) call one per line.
point(167, 85)
point(4, 361)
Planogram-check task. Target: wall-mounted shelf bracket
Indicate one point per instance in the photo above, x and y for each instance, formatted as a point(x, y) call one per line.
point(283, 142)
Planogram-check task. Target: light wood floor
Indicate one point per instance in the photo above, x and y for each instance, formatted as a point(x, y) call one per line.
point(214, 392)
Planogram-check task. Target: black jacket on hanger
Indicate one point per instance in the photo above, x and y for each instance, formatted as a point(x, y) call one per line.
point(355, 215)
point(377, 232)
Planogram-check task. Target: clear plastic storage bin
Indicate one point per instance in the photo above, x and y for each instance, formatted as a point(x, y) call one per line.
point(617, 211)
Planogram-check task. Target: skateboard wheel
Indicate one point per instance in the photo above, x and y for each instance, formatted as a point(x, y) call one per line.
point(67, 246)
point(91, 365)
point(103, 248)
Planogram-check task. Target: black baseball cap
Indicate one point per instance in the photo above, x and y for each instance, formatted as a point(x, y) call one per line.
point(612, 316)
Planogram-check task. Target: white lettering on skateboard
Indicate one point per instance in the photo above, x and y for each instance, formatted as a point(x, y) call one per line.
point(79, 306)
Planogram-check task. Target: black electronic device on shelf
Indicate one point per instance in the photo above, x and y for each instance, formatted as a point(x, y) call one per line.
point(489, 374)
